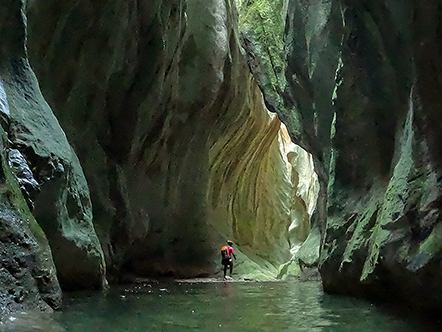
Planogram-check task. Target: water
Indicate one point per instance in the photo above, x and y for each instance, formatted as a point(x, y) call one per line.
point(232, 306)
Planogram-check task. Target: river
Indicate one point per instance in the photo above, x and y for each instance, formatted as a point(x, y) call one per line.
point(216, 306)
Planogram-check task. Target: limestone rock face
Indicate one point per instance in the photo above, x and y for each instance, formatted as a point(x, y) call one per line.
point(383, 204)
point(171, 129)
point(362, 94)
point(47, 170)
point(27, 272)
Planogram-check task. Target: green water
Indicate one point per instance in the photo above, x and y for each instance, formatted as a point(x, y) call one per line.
point(269, 306)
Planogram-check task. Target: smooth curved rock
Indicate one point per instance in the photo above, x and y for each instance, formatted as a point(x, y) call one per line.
point(181, 151)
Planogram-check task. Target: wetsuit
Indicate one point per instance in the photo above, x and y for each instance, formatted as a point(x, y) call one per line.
point(228, 261)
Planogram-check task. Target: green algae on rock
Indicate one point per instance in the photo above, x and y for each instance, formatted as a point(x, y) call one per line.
point(28, 275)
point(361, 96)
point(33, 131)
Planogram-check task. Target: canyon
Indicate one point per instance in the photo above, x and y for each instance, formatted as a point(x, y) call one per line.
point(137, 136)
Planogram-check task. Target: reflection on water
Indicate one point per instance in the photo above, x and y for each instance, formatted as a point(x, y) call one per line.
point(271, 306)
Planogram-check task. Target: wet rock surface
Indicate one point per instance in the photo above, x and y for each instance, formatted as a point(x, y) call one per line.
point(27, 273)
point(34, 155)
point(361, 96)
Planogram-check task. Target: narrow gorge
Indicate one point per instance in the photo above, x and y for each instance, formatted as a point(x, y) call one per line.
point(137, 136)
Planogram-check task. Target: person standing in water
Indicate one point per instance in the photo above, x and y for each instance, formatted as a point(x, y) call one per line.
point(226, 257)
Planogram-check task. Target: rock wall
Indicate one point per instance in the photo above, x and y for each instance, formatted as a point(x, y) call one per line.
point(36, 160)
point(361, 93)
point(389, 208)
point(171, 130)
point(27, 274)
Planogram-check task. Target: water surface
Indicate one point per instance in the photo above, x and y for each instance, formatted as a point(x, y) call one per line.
point(231, 306)
point(214, 306)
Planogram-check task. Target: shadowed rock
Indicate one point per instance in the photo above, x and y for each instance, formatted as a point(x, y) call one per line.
point(362, 95)
point(55, 185)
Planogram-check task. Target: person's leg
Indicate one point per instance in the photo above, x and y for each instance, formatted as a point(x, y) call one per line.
point(231, 268)
point(225, 270)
